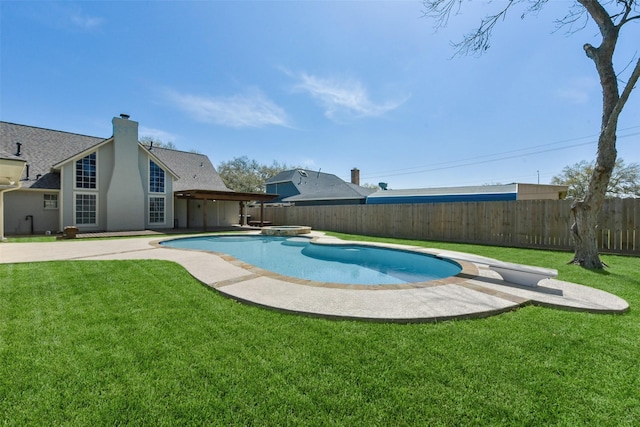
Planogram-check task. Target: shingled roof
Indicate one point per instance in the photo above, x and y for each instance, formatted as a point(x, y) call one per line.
point(315, 186)
point(194, 170)
point(43, 148)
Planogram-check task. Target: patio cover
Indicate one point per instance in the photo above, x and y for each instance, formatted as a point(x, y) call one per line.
point(228, 196)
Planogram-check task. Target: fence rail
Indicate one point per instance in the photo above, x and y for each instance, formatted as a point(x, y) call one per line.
point(527, 223)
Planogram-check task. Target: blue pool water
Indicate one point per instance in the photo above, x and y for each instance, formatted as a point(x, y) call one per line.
point(347, 264)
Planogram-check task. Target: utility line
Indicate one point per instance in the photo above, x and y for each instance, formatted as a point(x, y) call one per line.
point(474, 160)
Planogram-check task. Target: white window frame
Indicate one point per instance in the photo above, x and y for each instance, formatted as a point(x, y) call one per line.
point(164, 210)
point(46, 203)
point(164, 177)
point(75, 174)
point(75, 207)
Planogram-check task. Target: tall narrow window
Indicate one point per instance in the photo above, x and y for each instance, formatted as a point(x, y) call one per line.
point(156, 210)
point(156, 178)
point(86, 176)
point(86, 208)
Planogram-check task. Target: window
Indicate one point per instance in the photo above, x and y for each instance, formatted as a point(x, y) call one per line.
point(50, 201)
point(86, 172)
point(156, 178)
point(86, 209)
point(156, 210)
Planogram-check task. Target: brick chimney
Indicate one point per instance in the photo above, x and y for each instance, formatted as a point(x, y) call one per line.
point(355, 176)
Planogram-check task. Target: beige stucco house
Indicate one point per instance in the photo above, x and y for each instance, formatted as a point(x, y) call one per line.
point(111, 184)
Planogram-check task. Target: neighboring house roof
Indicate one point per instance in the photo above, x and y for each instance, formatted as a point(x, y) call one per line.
point(482, 193)
point(315, 185)
point(42, 149)
point(439, 191)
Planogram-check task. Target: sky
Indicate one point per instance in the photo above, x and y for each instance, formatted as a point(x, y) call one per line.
point(324, 85)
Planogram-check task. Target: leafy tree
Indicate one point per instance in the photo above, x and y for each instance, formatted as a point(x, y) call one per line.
point(624, 182)
point(610, 17)
point(247, 175)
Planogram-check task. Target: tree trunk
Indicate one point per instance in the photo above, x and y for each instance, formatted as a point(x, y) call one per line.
point(584, 231)
point(585, 213)
point(584, 236)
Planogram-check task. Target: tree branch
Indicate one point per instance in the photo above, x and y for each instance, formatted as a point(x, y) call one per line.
point(478, 41)
point(631, 83)
point(599, 15)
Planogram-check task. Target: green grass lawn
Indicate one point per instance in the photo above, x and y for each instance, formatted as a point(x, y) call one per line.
point(30, 239)
point(143, 343)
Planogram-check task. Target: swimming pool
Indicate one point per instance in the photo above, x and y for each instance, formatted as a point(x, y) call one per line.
point(344, 263)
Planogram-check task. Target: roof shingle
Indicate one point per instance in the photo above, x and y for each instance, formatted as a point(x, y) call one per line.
point(315, 185)
point(43, 148)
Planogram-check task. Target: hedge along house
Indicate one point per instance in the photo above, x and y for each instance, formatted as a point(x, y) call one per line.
point(483, 193)
point(112, 184)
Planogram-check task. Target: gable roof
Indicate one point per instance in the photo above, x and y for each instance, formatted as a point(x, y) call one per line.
point(315, 185)
point(195, 171)
point(44, 148)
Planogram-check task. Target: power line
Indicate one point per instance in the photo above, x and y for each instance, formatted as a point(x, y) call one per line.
point(492, 157)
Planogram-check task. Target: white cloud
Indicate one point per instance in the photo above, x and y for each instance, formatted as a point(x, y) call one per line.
point(64, 16)
point(252, 109)
point(308, 163)
point(344, 98)
point(85, 22)
point(579, 90)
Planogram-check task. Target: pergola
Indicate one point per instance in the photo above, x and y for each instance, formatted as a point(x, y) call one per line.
point(212, 195)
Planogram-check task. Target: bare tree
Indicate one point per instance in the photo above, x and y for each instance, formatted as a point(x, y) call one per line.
point(609, 20)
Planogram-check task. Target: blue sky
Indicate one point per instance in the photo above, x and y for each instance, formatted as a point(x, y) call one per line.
point(327, 85)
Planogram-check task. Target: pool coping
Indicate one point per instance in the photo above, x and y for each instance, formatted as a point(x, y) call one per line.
point(476, 281)
point(468, 269)
point(467, 296)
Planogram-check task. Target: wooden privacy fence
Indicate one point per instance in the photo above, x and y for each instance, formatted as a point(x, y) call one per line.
point(527, 223)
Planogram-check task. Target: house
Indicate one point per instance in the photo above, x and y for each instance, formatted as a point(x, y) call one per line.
point(483, 193)
point(304, 187)
point(110, 184)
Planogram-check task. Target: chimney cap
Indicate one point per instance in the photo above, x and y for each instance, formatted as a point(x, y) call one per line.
point(124, 116)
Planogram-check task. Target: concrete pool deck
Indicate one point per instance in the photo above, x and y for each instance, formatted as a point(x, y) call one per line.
point(477, 292)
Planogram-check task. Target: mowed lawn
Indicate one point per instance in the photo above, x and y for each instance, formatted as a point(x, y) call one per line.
point(143, 343)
